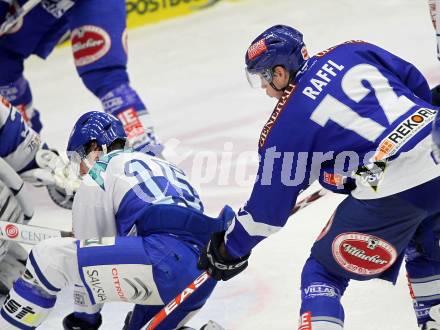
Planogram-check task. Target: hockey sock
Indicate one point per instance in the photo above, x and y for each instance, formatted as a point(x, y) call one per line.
point(19, 94)
point(424, 284)
point(320, 295)
point(124, 103)
point(25, 307)
point(118, 98)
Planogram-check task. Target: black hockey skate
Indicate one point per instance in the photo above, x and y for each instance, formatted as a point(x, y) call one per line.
point(70, 322)
point(434, 323)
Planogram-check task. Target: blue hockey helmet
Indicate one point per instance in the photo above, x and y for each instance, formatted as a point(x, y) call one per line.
point(96, 126)
point(436, 138)
point(279, 45)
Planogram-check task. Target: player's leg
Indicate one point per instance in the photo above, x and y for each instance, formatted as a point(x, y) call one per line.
point(365, 239)
point(423, 269)
point(51, 266)
point(16, 89)
point(148, 271)
point(37, 33)
point(12, 255)
point(321, 293)
point(99, 43)
point(172, 274)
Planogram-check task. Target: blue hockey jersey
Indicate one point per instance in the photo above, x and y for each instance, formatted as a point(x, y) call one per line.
point(354, 110)
point(18, 142)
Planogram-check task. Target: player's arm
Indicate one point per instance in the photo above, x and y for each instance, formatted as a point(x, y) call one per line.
point(91, 216)
point(273, 197)
point(283, 173)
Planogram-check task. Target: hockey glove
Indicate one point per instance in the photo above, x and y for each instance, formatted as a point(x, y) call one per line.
point(216, 260)
point(56, 175)
point(72, 322)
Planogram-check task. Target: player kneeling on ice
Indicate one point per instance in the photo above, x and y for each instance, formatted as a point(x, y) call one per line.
point(363, 113)
point(150, 226)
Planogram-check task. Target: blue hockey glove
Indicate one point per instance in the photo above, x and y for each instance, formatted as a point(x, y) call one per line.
point(216, 260)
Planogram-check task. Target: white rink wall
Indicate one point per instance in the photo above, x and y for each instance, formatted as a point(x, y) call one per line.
point(190, 72)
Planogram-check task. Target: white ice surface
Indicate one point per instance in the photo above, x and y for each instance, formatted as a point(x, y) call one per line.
point(190, 72)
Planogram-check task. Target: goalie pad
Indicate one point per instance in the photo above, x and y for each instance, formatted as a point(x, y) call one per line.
point(11, 211)
point(12, 255)
point(12, 266)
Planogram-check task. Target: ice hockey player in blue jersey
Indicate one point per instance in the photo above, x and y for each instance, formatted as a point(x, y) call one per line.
point(99, 46)
point(357, 111)
point(141, 226)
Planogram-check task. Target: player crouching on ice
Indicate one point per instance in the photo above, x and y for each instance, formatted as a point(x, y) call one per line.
point(149, 225)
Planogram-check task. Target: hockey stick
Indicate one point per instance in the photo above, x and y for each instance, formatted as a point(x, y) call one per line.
point(179, 299)
point(306, 201)
point(203, 277)
point(28, 234)
point(20, 13)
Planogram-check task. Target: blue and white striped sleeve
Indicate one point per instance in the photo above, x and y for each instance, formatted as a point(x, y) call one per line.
point(18, 142)
point(267, 209)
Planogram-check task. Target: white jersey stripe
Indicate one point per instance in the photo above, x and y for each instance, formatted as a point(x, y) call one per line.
point(254, 228)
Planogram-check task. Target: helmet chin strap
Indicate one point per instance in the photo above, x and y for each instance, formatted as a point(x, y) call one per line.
point(276, 88)
point(87, 163)
point(291, 75)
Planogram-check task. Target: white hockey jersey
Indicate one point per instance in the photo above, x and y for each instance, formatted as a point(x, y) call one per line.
point(120, 186)
point(19, 142)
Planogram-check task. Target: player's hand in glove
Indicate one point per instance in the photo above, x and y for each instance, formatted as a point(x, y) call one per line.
point(54, 173)
point(215, 259)
point(73, 322)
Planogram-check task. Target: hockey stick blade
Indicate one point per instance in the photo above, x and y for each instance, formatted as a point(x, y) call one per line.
point(20, 13)
point(177, 301)
point(28, 234)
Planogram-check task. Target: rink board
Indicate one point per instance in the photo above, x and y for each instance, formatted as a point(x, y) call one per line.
point(141, 12)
